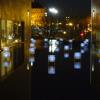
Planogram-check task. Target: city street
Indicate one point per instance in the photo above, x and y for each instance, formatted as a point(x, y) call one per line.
point(65, 81)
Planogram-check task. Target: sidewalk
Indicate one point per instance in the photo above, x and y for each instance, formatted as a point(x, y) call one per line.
point(17, 85)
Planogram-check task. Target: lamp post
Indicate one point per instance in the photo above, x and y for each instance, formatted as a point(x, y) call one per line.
point(53, 11)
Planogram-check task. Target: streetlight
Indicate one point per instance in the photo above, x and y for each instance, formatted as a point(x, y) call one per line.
point(53, 10)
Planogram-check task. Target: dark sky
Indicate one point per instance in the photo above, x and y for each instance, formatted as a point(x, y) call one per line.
point(70, 7)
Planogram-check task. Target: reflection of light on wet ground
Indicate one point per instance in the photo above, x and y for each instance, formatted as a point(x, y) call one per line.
point(32, 50)
point(33, 40)
point(53, 44)
point(51, 70)
point(66, 47)
point(6, 62)
point(92, 67)
point(51, 58)
point(82, 51)
point(66, 55)
point(77, 55)
point(77, 65)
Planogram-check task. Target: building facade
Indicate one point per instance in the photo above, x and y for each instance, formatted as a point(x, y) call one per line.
point(15, 33)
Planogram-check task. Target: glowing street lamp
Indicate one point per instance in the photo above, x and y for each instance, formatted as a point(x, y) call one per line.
point(53, 10)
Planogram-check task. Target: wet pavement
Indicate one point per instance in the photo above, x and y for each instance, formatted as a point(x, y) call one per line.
point(67, 79)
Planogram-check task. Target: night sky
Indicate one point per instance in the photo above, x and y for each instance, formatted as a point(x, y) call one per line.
point(70, 7)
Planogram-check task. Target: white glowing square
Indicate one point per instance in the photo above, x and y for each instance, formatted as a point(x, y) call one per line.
point(77, 55)
point(66, 55)
point(32, 50)
point(51, 58)
point(6, 54)
point(51, 70)
point(66, 47)
point(77, 65)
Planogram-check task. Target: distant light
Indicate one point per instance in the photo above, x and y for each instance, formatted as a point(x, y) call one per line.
point(57, 42)
point(60, 23)
point(6, 48)
point(51, 58)
point(70, 41)
point(82, 34)
point(28, 68)
point(77, 55)
point(6, 54)
point(66, 55)
point(64, 32)
point(70, 24)
point(28, 13)
point(82, 44)
point(51, 70)
point(32, 63)
point(52, 45)
point(46, 14)
point(82, 51)
point(66, 47)
point(10, 37)
point(31, 59)
point(33, 40)
point(77, 65)
point(61, 39)
point(46, 40)
point(86, 40)
point(32, 45)
point(32, 50)
point(57, 49)
point(16, 41)
point(53, 10)
point(19, 24)
point(92, 67)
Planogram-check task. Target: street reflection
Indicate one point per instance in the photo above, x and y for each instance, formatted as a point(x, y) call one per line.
point(6, 64)
point(58, 51)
